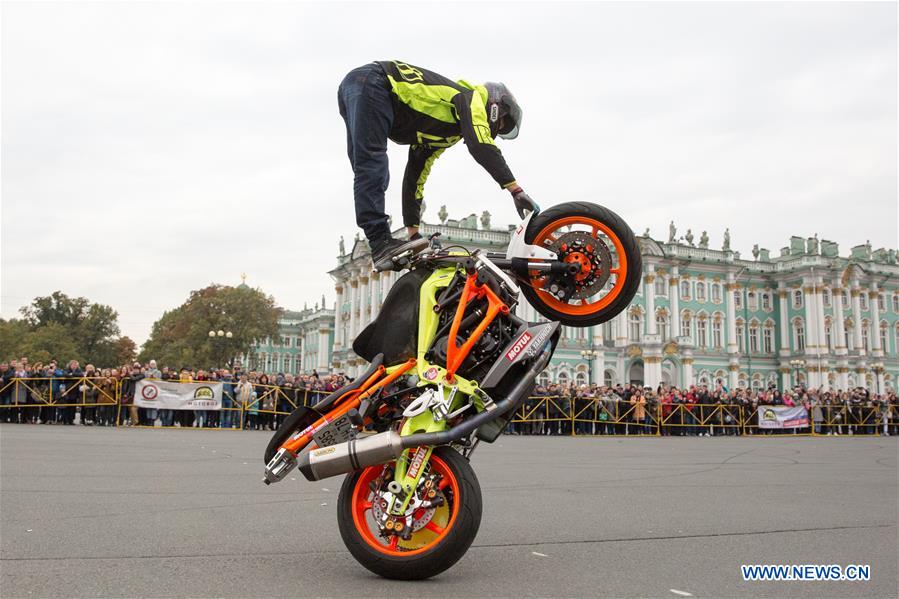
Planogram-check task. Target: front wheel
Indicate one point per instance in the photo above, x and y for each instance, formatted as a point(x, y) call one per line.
point(433, 538)
point(609, 264)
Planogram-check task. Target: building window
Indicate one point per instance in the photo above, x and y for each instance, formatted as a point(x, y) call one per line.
point(863, 299)
point(685, 290)
point(660, 286)
point(700, 291)
point(896, 303)
point(662, 325)
point(768, 340)
point(287, 341)
point(825, 297)
point(799, 335)
point(741, 342)
point(797, 298)
point(634, 322)
point(828, 338)
point(607, 378)
point(844, 297)
point(685, 326)
point(716, 334)
point(752, 300)
point(884, 343)
point(716, 293)
point(766, 301)
point(700, 332)
point(738, 299)
point(881, 302)
point(896, 339)
point(753, 339)
point(865, 335)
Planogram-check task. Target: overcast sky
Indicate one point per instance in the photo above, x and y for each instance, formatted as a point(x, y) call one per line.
point(152, 148)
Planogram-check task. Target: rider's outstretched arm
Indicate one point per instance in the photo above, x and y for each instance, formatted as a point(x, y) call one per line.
point(470, 106)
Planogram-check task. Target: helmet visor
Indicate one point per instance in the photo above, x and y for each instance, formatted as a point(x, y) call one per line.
point(511, 121)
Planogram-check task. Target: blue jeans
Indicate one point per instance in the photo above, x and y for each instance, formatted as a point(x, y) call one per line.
point(367, 109)
point(225, 414)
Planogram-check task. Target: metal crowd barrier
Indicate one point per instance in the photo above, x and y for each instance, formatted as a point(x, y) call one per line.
point(602, 416)
point(102, 401)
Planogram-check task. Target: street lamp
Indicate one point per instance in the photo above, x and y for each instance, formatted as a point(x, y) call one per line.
point(218, 339)
point(589, 355)
point(796, 364)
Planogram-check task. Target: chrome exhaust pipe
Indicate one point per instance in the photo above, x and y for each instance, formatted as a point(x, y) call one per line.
point(343, 458)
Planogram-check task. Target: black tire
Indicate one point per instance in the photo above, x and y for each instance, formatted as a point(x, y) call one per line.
point(435, 560)
point(631, 249)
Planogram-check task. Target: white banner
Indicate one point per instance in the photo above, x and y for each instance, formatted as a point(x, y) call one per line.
point(782, 417)
point(169, 395)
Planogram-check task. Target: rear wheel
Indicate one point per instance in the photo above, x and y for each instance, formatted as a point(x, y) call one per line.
point(434, 537)
point(608, 257)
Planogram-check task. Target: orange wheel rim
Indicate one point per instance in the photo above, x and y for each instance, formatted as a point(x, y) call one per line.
point(362, 502)
point(620, 272)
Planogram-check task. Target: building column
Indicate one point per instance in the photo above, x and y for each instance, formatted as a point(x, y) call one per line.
point(339, 289)
point(733, 370)
point(855, 291)
point(730, 287)
point(649, 293)
point(784, 318)
point(687, 361)
point(652, 371)
point(674, 303)
point(599, 361)
point(324, 359)
point(785, 382)
point(810, 297)
point(363, 300)
point(842, 377)
point(874, 333)
point(839, 327)
point(621, 329)
point(374, 287)
point(354, 298)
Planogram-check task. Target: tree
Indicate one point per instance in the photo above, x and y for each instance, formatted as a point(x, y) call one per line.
point(181, 336)
point(65, 328)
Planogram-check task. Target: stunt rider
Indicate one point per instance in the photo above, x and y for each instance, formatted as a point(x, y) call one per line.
point(429, 113)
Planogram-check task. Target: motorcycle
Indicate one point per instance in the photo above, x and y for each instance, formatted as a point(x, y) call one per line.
point(449, 363)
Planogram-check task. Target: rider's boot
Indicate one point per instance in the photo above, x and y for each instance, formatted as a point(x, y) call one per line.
point(384, 252)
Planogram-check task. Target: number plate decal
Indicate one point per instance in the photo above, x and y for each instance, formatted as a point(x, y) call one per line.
point(339, 431)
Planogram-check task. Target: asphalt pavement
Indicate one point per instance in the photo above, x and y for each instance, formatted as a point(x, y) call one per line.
point(90, 512)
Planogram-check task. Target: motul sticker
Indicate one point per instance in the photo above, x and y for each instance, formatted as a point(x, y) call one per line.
point(431, 373)
point(417, 460)
point(520, 344)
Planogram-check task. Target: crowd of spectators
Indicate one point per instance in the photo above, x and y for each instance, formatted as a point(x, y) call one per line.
point(90, 395)
point(697, 411)
point(255, 400)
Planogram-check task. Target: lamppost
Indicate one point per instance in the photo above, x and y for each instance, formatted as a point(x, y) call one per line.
point(220, 340)
point(589, 355)
point(796, 364)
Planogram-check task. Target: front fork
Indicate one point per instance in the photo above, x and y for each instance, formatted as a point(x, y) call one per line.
point(413, 462)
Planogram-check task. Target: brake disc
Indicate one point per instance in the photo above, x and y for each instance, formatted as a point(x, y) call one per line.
point(596, 251)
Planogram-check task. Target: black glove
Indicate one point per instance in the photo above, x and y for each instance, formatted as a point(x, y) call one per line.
point(523, 203)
